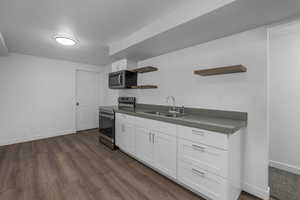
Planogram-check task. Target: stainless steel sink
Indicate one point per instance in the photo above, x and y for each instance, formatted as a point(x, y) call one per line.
point(154, 112)
point(175, 115)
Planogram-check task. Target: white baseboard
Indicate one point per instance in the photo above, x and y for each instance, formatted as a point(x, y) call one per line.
point(256, 191)
point(36, 137)
point(286, 167)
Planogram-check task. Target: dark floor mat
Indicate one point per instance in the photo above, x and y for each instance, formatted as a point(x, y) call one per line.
point(284, 185)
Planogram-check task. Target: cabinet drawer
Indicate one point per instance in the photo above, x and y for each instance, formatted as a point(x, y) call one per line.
point(125, 118)
point(158, 126)
point(218, 140)
point(202, 181)
point(210, 158)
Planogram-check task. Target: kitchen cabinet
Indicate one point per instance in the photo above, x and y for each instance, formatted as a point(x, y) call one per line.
point(205, 156)
point(165, 153)
point(208, 163)
point(210, 138)
point(202, 181)
point(118, 131)
point(155, 147)
point(143, 145)
point(122, 65)
point(125, 133)
point(129, 138)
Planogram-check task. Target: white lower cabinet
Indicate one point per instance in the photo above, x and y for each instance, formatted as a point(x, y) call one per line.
point(156, 148)
point(143, 145)
point(118, 133)
point(125, 133)
point(201, 180)
point(130, 138)
point(206, 162)
point(208, 157)
point(165, 147)
point(209, 163)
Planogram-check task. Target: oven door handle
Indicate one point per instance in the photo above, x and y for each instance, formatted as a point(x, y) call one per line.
point(107, 116)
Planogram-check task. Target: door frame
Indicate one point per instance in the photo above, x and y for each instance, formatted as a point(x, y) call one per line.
point(76, 94)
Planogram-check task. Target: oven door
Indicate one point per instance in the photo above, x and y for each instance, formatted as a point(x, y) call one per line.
point(116, 80)
point(107, 125)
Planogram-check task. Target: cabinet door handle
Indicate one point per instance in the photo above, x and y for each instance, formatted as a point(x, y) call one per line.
point(150, 137)
point(195, 171)
point(153, 138)
point(200, 133)
point(197, 147)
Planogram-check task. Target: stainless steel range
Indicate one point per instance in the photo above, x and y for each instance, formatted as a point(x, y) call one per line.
point(107, 120)
point(107, 126)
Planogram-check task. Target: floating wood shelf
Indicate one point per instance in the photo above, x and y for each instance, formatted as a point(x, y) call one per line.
point(144, 87)
point(221, 70)
point(145, 69)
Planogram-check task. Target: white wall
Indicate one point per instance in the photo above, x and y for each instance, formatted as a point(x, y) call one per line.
point(37, 97)
point(244, 92)
point(110, 96)
point(285, 97)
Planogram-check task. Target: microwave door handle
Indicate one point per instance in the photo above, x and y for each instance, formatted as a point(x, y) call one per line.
point(119, 79)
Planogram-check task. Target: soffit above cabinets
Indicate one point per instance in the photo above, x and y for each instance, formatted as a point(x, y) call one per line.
point(3, 48)
point(231, 18)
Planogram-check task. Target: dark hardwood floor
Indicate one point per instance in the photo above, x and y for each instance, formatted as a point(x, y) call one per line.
point(76, 167)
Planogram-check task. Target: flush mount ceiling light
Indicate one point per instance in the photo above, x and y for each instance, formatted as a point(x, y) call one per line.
point(65, 40)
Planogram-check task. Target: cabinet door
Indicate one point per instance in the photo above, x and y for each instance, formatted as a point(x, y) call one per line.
point(125, 133)
point(129, 138)
point(143, 145)
point(121, 136)
point(118, 131)
point(165, 153)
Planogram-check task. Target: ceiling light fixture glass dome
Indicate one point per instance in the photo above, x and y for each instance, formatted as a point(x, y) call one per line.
point(65, 40)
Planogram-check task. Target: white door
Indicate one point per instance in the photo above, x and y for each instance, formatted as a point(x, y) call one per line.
point(143, 145)
point(88, 99)
point(165, 153)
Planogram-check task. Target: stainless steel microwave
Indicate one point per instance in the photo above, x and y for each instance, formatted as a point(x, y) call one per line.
point(122, 79)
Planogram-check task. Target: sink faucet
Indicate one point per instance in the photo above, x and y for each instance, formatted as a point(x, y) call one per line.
point(171, 108)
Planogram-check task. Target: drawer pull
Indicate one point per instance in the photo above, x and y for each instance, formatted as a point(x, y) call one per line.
point(195, 171)
point(197, 147)
point(200, 133)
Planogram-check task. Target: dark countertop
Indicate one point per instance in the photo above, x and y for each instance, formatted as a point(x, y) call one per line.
point(198, 118)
